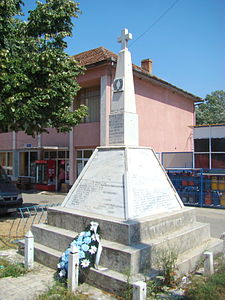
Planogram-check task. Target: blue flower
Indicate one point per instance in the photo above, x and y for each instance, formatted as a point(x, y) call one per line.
point(61, 265)
point(79, 243)
point(81, 254)
point(87, 240)
point(66, 266)
point(85, 247)
point(64, 257)
point(80, 238)
point(67, 252)
point(88, 233)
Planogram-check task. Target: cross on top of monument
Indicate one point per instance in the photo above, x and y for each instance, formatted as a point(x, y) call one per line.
point(124, 38)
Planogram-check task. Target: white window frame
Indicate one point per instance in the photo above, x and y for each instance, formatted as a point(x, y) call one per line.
point(82, 159)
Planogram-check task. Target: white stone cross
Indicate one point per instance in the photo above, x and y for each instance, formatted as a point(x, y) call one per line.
point(124, 38)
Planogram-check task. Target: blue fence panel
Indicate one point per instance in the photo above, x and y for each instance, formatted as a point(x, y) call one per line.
point(199, 187)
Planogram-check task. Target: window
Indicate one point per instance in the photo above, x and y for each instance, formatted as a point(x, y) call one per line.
point(57, 154)
point(202, 161)
point(27, 163)
point(201, 145)
point(91, 98)
point(218, 145)
point(82, 158)
point(6, 161)
point(52, 154)
point(218, 160)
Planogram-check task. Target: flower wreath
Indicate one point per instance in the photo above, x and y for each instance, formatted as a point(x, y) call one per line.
point(89, 249)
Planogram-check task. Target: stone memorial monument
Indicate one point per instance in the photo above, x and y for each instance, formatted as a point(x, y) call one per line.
point(123, 180)
point(125, 189)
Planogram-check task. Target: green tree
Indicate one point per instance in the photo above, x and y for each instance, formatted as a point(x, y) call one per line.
point(37, 78)
point(212, 110)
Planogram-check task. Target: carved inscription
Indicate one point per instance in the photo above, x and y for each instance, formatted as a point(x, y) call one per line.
point(149, 191)
point(116, 129)
point(148, 201)
point(99, 197)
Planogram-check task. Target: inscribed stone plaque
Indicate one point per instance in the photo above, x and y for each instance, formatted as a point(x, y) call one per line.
point(149, 190)
point(100, 190)
point(116, 129)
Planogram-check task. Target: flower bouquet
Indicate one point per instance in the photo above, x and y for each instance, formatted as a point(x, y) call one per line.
point(89, 249)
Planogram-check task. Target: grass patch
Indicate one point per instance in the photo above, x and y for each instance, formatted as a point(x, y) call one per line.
point(8, 269)
point(60, 292)
point(6, 244)
point(211, 288)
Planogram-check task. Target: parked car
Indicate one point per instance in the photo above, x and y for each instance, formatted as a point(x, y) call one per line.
point(10, 196)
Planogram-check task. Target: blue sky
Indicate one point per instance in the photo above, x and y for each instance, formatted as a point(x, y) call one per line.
point(187, 44)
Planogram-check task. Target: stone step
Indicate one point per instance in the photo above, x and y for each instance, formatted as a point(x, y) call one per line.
point(190, 260)
point(105, 279)
point(130, 231)
point(115, 256)
point(116, 282)
point(181, 240)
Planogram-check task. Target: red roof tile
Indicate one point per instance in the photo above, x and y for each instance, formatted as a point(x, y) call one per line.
point(94, 56)
point(99, 54)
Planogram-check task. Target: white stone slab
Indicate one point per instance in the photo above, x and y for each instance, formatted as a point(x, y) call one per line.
point(100, 188)
point(148, 188)
point(124, 183)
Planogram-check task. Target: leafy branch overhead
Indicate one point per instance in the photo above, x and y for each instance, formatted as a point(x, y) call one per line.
point(212, 110)
point(37, 78)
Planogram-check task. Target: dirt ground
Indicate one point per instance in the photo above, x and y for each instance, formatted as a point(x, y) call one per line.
point(15, 225)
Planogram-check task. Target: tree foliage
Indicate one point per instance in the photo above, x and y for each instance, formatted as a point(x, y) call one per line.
point(212, 110)
point(37, 77)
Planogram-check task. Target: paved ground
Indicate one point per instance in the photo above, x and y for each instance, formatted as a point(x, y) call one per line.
point(215, 217)
point(32, 197)
point(24, 287)
point(35, 282)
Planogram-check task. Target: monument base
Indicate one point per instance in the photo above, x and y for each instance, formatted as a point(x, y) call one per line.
point(127, 191)
point(128, 245)
point(123, 182)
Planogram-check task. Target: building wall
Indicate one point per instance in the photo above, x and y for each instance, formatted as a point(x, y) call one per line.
point(6, 141)
point(54, 138)
point(23, 140)
point(87, 135)
point(164, 118)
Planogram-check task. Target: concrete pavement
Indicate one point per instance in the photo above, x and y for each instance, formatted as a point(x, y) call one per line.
point(215, 217)
point(33, 197)
point(37, 281)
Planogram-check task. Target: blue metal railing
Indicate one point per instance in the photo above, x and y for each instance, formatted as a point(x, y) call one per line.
point(26, 217)
point(199, 187)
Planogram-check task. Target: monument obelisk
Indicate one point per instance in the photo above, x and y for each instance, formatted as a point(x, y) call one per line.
point(123, 180)
point(123, 120)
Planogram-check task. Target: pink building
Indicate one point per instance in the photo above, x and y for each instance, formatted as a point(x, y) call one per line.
point(166, 117)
